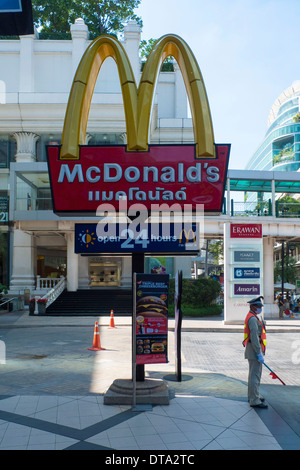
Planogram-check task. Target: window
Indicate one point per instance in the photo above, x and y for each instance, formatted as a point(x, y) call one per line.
point(8, 150)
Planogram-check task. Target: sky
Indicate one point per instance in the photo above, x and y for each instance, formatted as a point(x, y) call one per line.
point(248, 54)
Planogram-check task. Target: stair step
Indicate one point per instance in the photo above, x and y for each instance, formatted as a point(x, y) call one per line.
point(92, 303)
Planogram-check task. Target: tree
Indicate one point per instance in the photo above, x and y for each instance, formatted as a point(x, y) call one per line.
point(216, 249)
point(288, 205)
point(145, 49)
point(290, 271)
point(54, 17)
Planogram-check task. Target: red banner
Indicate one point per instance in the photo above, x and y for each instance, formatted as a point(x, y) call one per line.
point(167, 174)
point(245, 230)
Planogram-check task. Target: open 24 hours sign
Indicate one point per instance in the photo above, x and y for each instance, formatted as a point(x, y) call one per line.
point(170, 238)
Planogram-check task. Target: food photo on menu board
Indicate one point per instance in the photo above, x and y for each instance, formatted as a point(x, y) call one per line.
point(151, 318)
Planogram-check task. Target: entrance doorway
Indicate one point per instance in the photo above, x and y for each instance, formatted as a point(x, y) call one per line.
point(104, 274)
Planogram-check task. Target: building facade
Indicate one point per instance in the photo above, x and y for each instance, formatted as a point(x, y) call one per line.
point(35, 80)
point(280, 149)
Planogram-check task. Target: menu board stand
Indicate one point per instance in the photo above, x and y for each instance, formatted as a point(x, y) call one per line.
point(149, 323)
point(138, 371)
point(138, 260)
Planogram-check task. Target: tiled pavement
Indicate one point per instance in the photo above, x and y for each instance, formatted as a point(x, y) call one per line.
point(207, 410)
point(74, 423)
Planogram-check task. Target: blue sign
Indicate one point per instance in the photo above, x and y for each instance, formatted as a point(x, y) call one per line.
point(10, 6)
point(163, 238)
point(246, 256)
point(246, 273)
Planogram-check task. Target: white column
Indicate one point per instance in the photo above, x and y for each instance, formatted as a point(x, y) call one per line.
point(83, 272)
point(27, 63)
point(80, 35)
point(270, 308)
point(227, 267)
point(132, 38)
point(228, 204)
point(180, 94)
point(273, 199)
point(26, 146)
point(239, 290)
point(126, 273)
point(72, 264)
point(23, 270)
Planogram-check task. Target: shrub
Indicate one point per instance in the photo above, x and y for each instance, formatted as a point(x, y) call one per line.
point(191, 311)
point(196, 292)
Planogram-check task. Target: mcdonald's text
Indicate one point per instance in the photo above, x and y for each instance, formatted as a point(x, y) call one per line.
point(164, 173)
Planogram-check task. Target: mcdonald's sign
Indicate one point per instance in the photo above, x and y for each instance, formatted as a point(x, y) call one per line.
point(83, 177)
point(187, 235)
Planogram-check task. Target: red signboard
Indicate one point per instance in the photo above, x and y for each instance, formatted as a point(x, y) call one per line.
point(165, 174)
point(246, 231)
point(151, 318)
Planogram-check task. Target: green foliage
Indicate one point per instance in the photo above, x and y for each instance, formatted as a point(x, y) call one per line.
point(283, 156)
point(191, 311)
point(216, 249)
point(197, 292)
point(3, 290)
point(145, 49)
point(296, 118)
point(290, 271)
point(54, 17)
point(288, 205)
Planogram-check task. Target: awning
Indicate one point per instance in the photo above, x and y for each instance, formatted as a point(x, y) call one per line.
point(286, 286)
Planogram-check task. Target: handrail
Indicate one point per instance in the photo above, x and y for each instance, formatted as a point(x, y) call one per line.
point(46, 282)
point(9, 300)
point(53, 293)
point(264, 208)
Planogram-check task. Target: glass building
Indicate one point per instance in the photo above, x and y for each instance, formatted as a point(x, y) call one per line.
point(280, 149)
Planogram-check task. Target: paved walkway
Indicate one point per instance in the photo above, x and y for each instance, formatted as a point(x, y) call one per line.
point(52, 387)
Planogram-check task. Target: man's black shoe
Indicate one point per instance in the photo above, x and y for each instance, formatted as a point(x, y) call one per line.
point(260, 405)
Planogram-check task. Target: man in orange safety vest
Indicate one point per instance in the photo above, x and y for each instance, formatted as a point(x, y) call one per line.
point(255, 343)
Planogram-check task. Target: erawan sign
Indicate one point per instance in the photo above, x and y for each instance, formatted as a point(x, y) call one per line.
point(83, 177)
point(246, 230)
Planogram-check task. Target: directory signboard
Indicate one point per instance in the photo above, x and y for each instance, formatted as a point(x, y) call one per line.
point(246, 256)
point(247, 289)
point(246, 273)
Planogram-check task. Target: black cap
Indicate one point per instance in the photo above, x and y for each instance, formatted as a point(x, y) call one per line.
point(256, 302)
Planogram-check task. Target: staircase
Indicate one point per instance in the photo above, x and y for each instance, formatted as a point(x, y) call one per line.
point(92, 303)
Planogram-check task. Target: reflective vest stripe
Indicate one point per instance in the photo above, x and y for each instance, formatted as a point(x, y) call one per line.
point(263, 337)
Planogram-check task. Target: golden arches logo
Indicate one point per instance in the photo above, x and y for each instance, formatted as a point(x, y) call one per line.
point(137, 101)
point(187, 235)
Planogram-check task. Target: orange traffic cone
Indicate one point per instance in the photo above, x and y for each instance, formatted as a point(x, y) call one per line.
point(96, 341)
point(112, 321)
